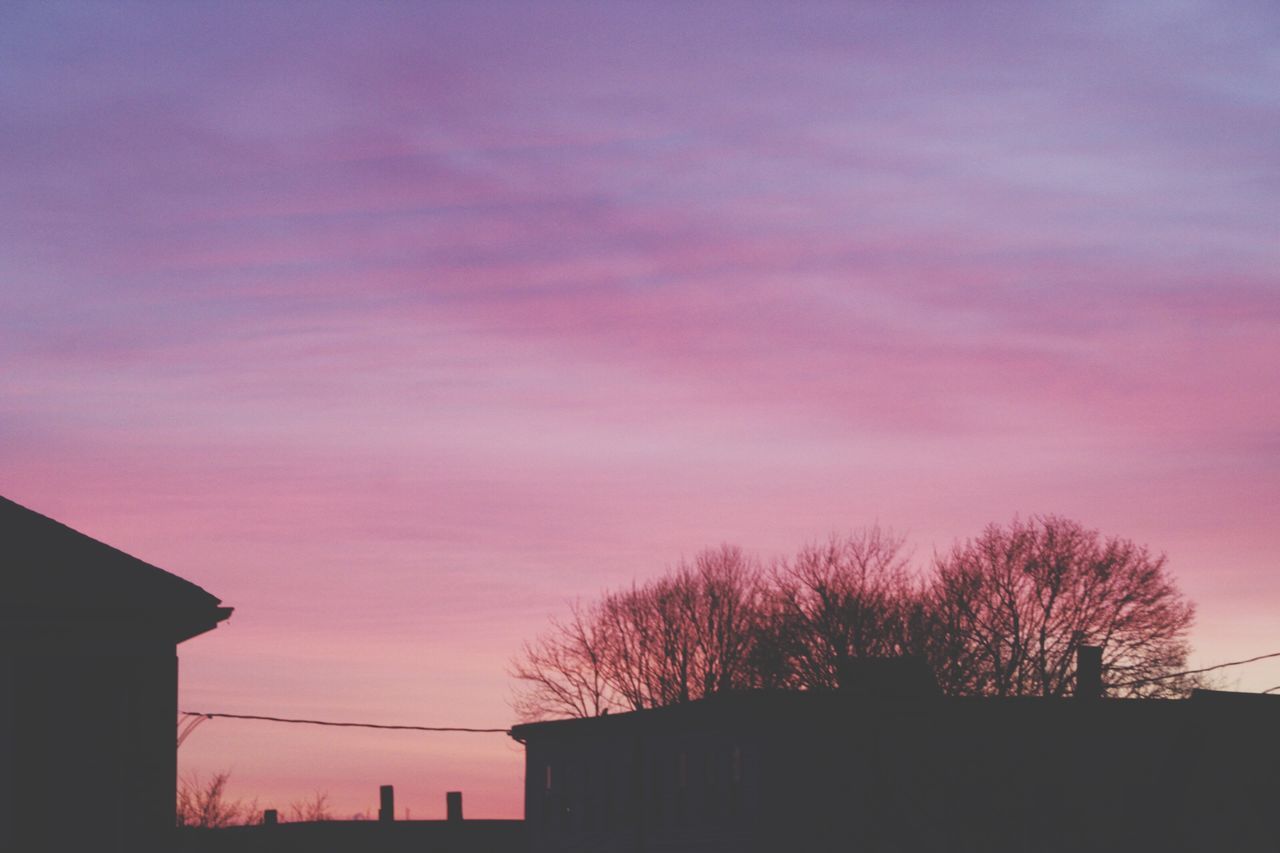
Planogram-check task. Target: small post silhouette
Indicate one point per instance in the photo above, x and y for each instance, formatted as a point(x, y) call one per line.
point(270, 817)
point(453, 805)
point(387, 809)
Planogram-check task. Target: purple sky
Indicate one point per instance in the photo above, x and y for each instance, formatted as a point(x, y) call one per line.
point(398, 326)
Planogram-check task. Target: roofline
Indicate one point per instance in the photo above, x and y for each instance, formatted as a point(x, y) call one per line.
point(195, 629)
point(576, 725)
point(185, 622)
point(191, 589)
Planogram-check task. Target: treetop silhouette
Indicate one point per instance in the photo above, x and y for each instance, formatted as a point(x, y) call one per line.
point(1002, 614)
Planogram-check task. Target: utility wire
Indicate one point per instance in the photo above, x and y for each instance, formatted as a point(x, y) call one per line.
point(1198, 671)
point(345, 725)
point(208, 715)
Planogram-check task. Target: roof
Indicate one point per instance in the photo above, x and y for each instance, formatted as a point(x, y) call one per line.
point(1234, 698)
point(820, 710)
point(48, 568)
point(904, 679)
point(729, 708)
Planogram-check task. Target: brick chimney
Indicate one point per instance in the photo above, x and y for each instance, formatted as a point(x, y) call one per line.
point(1089, 672)
point(387, 805)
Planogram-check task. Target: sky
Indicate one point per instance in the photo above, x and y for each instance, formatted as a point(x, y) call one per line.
point(400, 326)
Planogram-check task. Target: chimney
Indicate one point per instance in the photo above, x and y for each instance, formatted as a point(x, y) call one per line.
point(1089, 672)
point(387, 809)
point(453, 805)
point(270, 817)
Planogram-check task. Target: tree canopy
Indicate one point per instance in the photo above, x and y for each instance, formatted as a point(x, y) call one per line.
point(1010, 609)
point(1001, 614)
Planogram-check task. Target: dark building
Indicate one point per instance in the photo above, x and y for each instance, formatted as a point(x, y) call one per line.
point(894, 766)
point(384, 835)
point(88, 689)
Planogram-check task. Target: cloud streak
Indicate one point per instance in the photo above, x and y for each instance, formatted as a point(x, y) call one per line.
point(399, 327)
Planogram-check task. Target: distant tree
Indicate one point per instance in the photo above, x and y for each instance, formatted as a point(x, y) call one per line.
point(686, 635)
point(848, 598)
point(205, 805)
point(689, 634)
point(1009, 609)
point(568, 672)
point(1002, 614)
point(311, 810)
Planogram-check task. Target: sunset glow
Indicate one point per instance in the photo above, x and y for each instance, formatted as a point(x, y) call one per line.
point(398, 327)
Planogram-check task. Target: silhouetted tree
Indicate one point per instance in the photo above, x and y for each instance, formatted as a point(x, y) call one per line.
point(1002, 614)
point(689, 634)
point(205, 805)
point(683, 636)
point(311, 810)
point(1009, 609)
point(568, 672)
point(850, 597)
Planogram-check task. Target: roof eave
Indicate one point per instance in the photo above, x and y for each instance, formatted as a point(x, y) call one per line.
point(201, 624)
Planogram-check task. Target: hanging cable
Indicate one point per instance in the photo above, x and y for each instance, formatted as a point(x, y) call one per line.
point(1196, 671)
point(197, 717)
point(348, 725)
point(189, 724)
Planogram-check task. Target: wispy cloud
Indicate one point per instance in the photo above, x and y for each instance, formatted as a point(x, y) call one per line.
point(399, 326)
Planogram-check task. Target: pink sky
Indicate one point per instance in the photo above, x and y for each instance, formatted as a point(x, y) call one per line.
point(398, 327)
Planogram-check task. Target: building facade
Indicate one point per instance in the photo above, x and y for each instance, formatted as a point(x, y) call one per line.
point(855, 771)
point(88, 689)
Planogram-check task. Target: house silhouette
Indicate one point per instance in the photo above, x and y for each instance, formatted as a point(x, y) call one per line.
point(893, 765)
point(88, 689)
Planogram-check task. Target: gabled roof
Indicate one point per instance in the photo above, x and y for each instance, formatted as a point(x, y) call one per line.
point(47, 568)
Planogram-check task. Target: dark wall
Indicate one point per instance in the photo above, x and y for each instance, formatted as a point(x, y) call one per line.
point(954, 775)
point(700, 789)
point(89, 731)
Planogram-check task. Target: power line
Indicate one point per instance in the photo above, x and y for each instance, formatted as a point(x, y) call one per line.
point(209, 715)
point(346, 725)
point(1198, 671)
point(189, 725)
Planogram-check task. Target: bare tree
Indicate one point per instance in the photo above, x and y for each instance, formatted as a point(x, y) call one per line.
point(567, 671)
point(683, 636)
point(700, 622)
point(724, 611)
point(311, 810)
point(848, 598)
point(205, 805)
point(1002, 614)
point(1010, 608)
